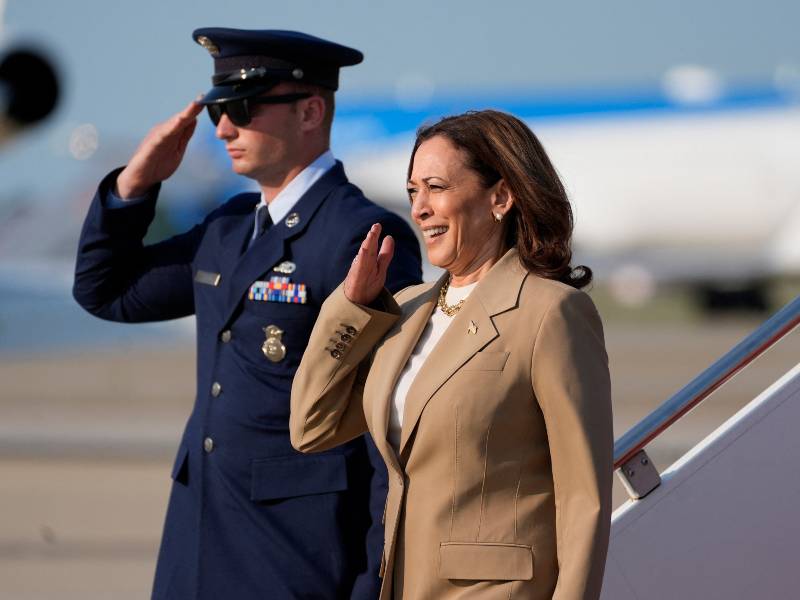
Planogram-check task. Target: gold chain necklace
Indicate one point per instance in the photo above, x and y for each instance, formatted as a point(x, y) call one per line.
point(446, 308)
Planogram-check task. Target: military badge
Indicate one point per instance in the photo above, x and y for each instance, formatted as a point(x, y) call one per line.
point(273, 347)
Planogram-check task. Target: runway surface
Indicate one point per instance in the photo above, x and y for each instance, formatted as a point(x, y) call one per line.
point(86, 443)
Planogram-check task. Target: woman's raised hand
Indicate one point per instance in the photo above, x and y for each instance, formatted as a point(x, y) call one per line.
point(367, 274)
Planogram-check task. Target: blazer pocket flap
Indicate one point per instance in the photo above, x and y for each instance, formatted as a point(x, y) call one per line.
point(289, 476)
point(485, 561)
point(486, 361)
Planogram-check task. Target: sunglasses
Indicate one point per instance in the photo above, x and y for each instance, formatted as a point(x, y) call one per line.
point(239, 111)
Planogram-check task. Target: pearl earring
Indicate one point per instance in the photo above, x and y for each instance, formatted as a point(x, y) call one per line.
point(498, 217)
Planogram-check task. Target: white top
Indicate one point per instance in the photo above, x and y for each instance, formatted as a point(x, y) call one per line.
point(433, 331)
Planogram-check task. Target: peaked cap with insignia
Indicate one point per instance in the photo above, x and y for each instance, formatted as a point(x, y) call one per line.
point(250, 62)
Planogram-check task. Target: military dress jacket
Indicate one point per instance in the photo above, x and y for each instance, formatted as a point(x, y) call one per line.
point(502, 484)
point(249, 517)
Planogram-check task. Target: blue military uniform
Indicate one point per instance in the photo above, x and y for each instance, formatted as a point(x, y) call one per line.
point(249, 517)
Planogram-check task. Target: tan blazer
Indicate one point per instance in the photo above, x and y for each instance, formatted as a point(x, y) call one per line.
point(502, 486)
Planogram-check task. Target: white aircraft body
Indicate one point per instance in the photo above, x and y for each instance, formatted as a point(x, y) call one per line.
point(691, 183)
point(705, 191)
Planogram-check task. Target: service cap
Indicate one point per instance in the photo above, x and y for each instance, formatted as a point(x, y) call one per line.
point(250, 62)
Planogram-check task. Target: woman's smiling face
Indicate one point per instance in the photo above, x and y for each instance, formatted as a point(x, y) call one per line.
point(454, 210)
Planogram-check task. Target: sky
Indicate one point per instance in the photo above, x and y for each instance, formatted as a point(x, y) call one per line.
point(127, 65)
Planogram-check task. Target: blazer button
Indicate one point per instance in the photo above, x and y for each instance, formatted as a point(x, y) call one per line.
point(226, 336)
point(337, 354)
point(346, 338)
point(351, 330)
point(216, 389)
point(208, 445)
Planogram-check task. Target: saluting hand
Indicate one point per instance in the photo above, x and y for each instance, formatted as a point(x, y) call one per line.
point(367, 274)
point(159, 154)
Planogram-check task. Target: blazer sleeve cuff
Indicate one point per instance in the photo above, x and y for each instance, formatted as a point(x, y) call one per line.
point(130, 219)
point(350, 331)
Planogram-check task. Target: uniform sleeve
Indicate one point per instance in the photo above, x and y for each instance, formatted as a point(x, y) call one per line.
point(113, 201)
point(117, 277)
point(572, 385)
point(327, 391)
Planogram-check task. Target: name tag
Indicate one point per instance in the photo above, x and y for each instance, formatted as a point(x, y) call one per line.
point(207, 277)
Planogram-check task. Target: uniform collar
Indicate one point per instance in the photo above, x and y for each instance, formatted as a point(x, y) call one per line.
point(294, 190)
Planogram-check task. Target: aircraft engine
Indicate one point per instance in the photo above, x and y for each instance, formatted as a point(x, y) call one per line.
point(29, 90)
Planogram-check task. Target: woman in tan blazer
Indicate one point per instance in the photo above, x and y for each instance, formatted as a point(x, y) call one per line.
point(487, 392)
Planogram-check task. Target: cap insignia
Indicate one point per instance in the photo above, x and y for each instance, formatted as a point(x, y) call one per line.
point(206, 43)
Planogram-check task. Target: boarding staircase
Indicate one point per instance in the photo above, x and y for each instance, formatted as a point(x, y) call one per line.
point(724, 520)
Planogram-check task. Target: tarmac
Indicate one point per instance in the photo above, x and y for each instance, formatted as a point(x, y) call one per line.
point(86, 443)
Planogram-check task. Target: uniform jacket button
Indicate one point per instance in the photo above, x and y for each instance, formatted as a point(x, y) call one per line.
point(226, 336)
point(346, 338)
point(351, 330)
point(337, 354)
point(216, 389)
point(208, 445)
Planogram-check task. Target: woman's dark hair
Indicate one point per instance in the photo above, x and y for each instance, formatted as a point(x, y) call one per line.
point(500, 146)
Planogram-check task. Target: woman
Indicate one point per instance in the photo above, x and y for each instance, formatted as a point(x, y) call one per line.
point(487, 392)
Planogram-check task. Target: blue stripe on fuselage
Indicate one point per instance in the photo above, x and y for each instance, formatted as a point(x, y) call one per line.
point(368, 119)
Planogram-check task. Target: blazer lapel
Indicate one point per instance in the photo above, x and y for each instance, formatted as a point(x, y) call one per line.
point(391, 357)
point(259, 258)
point(470, 330)
point(267, 250)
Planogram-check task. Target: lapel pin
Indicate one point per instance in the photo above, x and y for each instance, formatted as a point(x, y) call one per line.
point(292, 220)
point(473, 328)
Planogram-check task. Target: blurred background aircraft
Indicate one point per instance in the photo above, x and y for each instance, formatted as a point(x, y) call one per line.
point(676, 128)
point(679, 157)
point(694, 181)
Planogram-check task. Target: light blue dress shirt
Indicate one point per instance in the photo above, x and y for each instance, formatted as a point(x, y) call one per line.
point(281, 204)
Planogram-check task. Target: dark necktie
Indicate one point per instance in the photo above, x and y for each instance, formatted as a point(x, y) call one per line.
point(263, 222)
